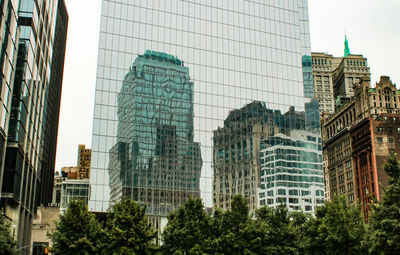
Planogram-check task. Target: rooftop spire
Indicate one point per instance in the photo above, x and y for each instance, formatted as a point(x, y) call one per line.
point(346, 46)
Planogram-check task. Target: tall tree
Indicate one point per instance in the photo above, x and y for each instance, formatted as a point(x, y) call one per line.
point(77, 231)
point(188, 230)
point(339, 228)
point(128, 231)
point(7, 243)
point(385, 219)
point(277, 230)
point(235, 232)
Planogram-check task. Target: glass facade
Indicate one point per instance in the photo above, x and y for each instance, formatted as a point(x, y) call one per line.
point(73, 190)
point(291, 171)
point(155, 160)
point(9, 33)
point(39, 36)
point(227, 54)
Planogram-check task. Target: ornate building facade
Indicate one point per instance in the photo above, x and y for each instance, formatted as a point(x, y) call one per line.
point(358, 138)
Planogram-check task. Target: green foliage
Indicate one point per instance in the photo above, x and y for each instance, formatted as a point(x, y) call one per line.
point(339, 228)
point(235, 231)
point(385, 220)
point(7, 243)
point(278, 230)
point(336, 228)
point(188, 230)
point(128, 231)
point(77, 231)
point(392, 168)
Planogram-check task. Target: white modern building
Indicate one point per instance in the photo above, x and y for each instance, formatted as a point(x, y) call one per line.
point(291, 171)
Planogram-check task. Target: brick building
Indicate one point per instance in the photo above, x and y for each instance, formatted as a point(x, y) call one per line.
point(373, 141)
point(357, 139)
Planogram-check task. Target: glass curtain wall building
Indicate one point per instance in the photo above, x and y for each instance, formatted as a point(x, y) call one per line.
point(232, 51)
point(29, 162)
point(9, 33)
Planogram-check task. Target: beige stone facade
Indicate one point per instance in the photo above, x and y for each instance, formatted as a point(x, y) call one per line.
point(350, 70)
point(340, 170)
point(334, 78)
point(84, 157)
point(43, 223)
point(322, 67)
point(337, 129)
point(384, 98)
point(238, 174)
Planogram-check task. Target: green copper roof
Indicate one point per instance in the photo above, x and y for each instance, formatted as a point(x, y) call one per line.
point(372, 89)
point(162, 56)
point(346, 47)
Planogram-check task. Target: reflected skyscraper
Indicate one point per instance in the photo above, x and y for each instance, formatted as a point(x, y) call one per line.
point(237, 52)
point(269, 158)
point(155, 160)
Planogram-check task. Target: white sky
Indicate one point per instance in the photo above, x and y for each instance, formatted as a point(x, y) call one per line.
point(372, 28)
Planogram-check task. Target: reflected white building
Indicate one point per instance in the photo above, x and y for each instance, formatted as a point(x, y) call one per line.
point(291, 171)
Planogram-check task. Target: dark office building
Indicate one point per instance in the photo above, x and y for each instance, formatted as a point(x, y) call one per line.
point(33, 122)
point(9, 33)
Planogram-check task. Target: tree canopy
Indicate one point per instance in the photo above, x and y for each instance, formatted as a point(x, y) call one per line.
point(128, 231)
point(7, 243)
point(77, 231)
point(384, 227)
point(336, 228)
point(188, 230)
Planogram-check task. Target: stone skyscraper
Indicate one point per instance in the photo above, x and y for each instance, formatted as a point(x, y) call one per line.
point(334, 78)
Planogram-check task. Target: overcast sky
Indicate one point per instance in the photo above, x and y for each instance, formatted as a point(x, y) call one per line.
point(372, 28)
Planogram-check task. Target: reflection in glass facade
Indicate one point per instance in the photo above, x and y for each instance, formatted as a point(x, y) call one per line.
point(291, 171)
point(260, 151)
point(237, 52)
point(155, 160)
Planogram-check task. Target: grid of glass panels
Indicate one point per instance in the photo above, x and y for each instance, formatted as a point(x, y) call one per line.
point(236, 52)
point(73, 190)
point(155, 160)
point(291, 171)
point(9, 33)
